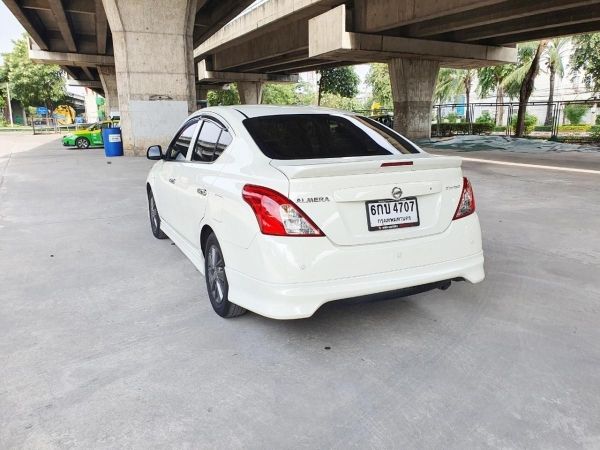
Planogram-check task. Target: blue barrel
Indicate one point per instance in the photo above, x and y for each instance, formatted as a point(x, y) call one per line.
point(113, 145)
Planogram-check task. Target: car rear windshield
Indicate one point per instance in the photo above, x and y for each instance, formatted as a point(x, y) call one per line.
point(316, 136)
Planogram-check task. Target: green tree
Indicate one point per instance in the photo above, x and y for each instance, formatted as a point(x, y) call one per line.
point(453, 82)
point(585, 58)
point(223, 97)
point(553, 60)
point(338, 80)
point(287, 94)
point(30, 83)
point(378, 78)
point(490, 80)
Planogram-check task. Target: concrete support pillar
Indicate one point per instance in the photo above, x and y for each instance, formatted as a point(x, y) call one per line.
point(153, 46)
point(108, 78)
point(413, 83)
point(250, 92)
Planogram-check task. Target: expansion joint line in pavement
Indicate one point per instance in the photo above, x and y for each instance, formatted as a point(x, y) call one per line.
point(532, 166)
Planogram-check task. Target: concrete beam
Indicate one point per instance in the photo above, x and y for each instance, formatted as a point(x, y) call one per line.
point(26, 23)
point(375, 16)
point(63, 23)
point(70, 59)
point(512, 9)
point(212, 76)
point(261, 20)
point(71, 6)
point(88, 73)
point(101, 28)
point(92, 84)
point(209, 22)
point(328, 39)
point(570, 16)
point(291, 37)
point(534, 35)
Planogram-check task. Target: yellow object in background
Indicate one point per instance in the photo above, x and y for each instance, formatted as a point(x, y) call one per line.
point(64, 114)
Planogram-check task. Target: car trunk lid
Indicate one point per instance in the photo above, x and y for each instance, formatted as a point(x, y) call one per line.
point(334, 193)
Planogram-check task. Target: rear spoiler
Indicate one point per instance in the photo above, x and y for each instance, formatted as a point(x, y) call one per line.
point(310, 168)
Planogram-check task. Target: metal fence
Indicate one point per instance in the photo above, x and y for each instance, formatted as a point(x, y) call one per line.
point(550, 119)
point(49, 125)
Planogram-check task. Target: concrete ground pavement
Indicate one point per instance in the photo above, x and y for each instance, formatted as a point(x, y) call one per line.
point(108, 340)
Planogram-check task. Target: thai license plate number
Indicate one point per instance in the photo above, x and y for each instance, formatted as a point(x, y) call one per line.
point(389, 214)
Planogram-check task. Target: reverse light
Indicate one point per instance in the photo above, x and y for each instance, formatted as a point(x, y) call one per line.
point(466, 204)
point(276, 214)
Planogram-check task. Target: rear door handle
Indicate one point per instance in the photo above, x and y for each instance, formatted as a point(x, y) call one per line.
point(172, 180)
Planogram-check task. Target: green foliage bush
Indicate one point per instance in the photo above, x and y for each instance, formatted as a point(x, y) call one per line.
point(575, 112)
point(530, 122)
point(451, 129)
point(542, 128)
point(598, 119)
point(451, 117)
point(500, 128)
point(595, 133)
point(574, 128)
point(485, 117)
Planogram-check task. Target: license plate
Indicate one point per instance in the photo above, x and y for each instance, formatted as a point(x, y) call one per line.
point(388, 214)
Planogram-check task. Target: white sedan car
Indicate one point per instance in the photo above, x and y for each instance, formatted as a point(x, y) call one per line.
point(286, 208)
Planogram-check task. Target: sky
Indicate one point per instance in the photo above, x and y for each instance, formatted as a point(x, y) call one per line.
point(10, 29)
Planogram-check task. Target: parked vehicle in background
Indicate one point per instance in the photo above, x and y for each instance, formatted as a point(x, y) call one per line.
point(284, 209)
point(90, 136)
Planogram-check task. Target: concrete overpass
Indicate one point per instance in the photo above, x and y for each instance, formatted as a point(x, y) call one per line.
point(137, 52)
point(415, 37)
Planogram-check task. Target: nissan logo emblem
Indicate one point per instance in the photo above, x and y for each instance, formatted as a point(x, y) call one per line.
point(397, 193)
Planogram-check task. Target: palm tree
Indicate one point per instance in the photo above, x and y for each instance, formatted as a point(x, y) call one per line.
point(490, 79)
point(453, 82)
point(521, 80)
point(553, 60)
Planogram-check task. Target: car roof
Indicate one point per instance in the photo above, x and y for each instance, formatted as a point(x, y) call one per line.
point(250, 111)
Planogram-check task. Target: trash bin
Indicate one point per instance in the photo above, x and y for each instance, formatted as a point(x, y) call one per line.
point(113, 146)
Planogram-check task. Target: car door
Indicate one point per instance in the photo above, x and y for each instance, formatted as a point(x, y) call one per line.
point(96, 135)
point(169, 182)
point(198, 177)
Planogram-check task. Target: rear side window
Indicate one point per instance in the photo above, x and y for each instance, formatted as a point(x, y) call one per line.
point(316, 136)
point(211, 142)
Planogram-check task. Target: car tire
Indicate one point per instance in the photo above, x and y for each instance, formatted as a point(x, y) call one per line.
point(216, 280)
point(154, 218)
point(82, 143)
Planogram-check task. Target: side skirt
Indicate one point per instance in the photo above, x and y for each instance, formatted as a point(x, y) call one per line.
point(193, 254)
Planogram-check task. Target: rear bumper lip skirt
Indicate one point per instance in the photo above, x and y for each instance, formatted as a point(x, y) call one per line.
point(300, 300)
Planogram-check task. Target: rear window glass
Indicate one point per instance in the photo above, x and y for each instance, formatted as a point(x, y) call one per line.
point(316, 136)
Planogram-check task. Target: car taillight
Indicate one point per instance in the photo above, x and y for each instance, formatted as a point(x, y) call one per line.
point(277, 215)
point(466, 204)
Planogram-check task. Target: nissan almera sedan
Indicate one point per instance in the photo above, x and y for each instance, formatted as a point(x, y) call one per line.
point(286, 208)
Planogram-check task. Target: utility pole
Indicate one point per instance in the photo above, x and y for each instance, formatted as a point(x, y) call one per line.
point(9, 105)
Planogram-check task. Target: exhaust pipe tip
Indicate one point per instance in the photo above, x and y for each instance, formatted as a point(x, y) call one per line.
point(445, 285)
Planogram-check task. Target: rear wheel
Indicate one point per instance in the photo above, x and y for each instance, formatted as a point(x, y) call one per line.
point(82, 143)
point(216, 280)
point(154, 218)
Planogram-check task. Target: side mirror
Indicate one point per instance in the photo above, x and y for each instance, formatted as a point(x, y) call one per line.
point(154, 153)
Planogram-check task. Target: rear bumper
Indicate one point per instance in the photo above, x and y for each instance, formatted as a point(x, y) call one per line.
point(290, 278)
point(299, 300)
